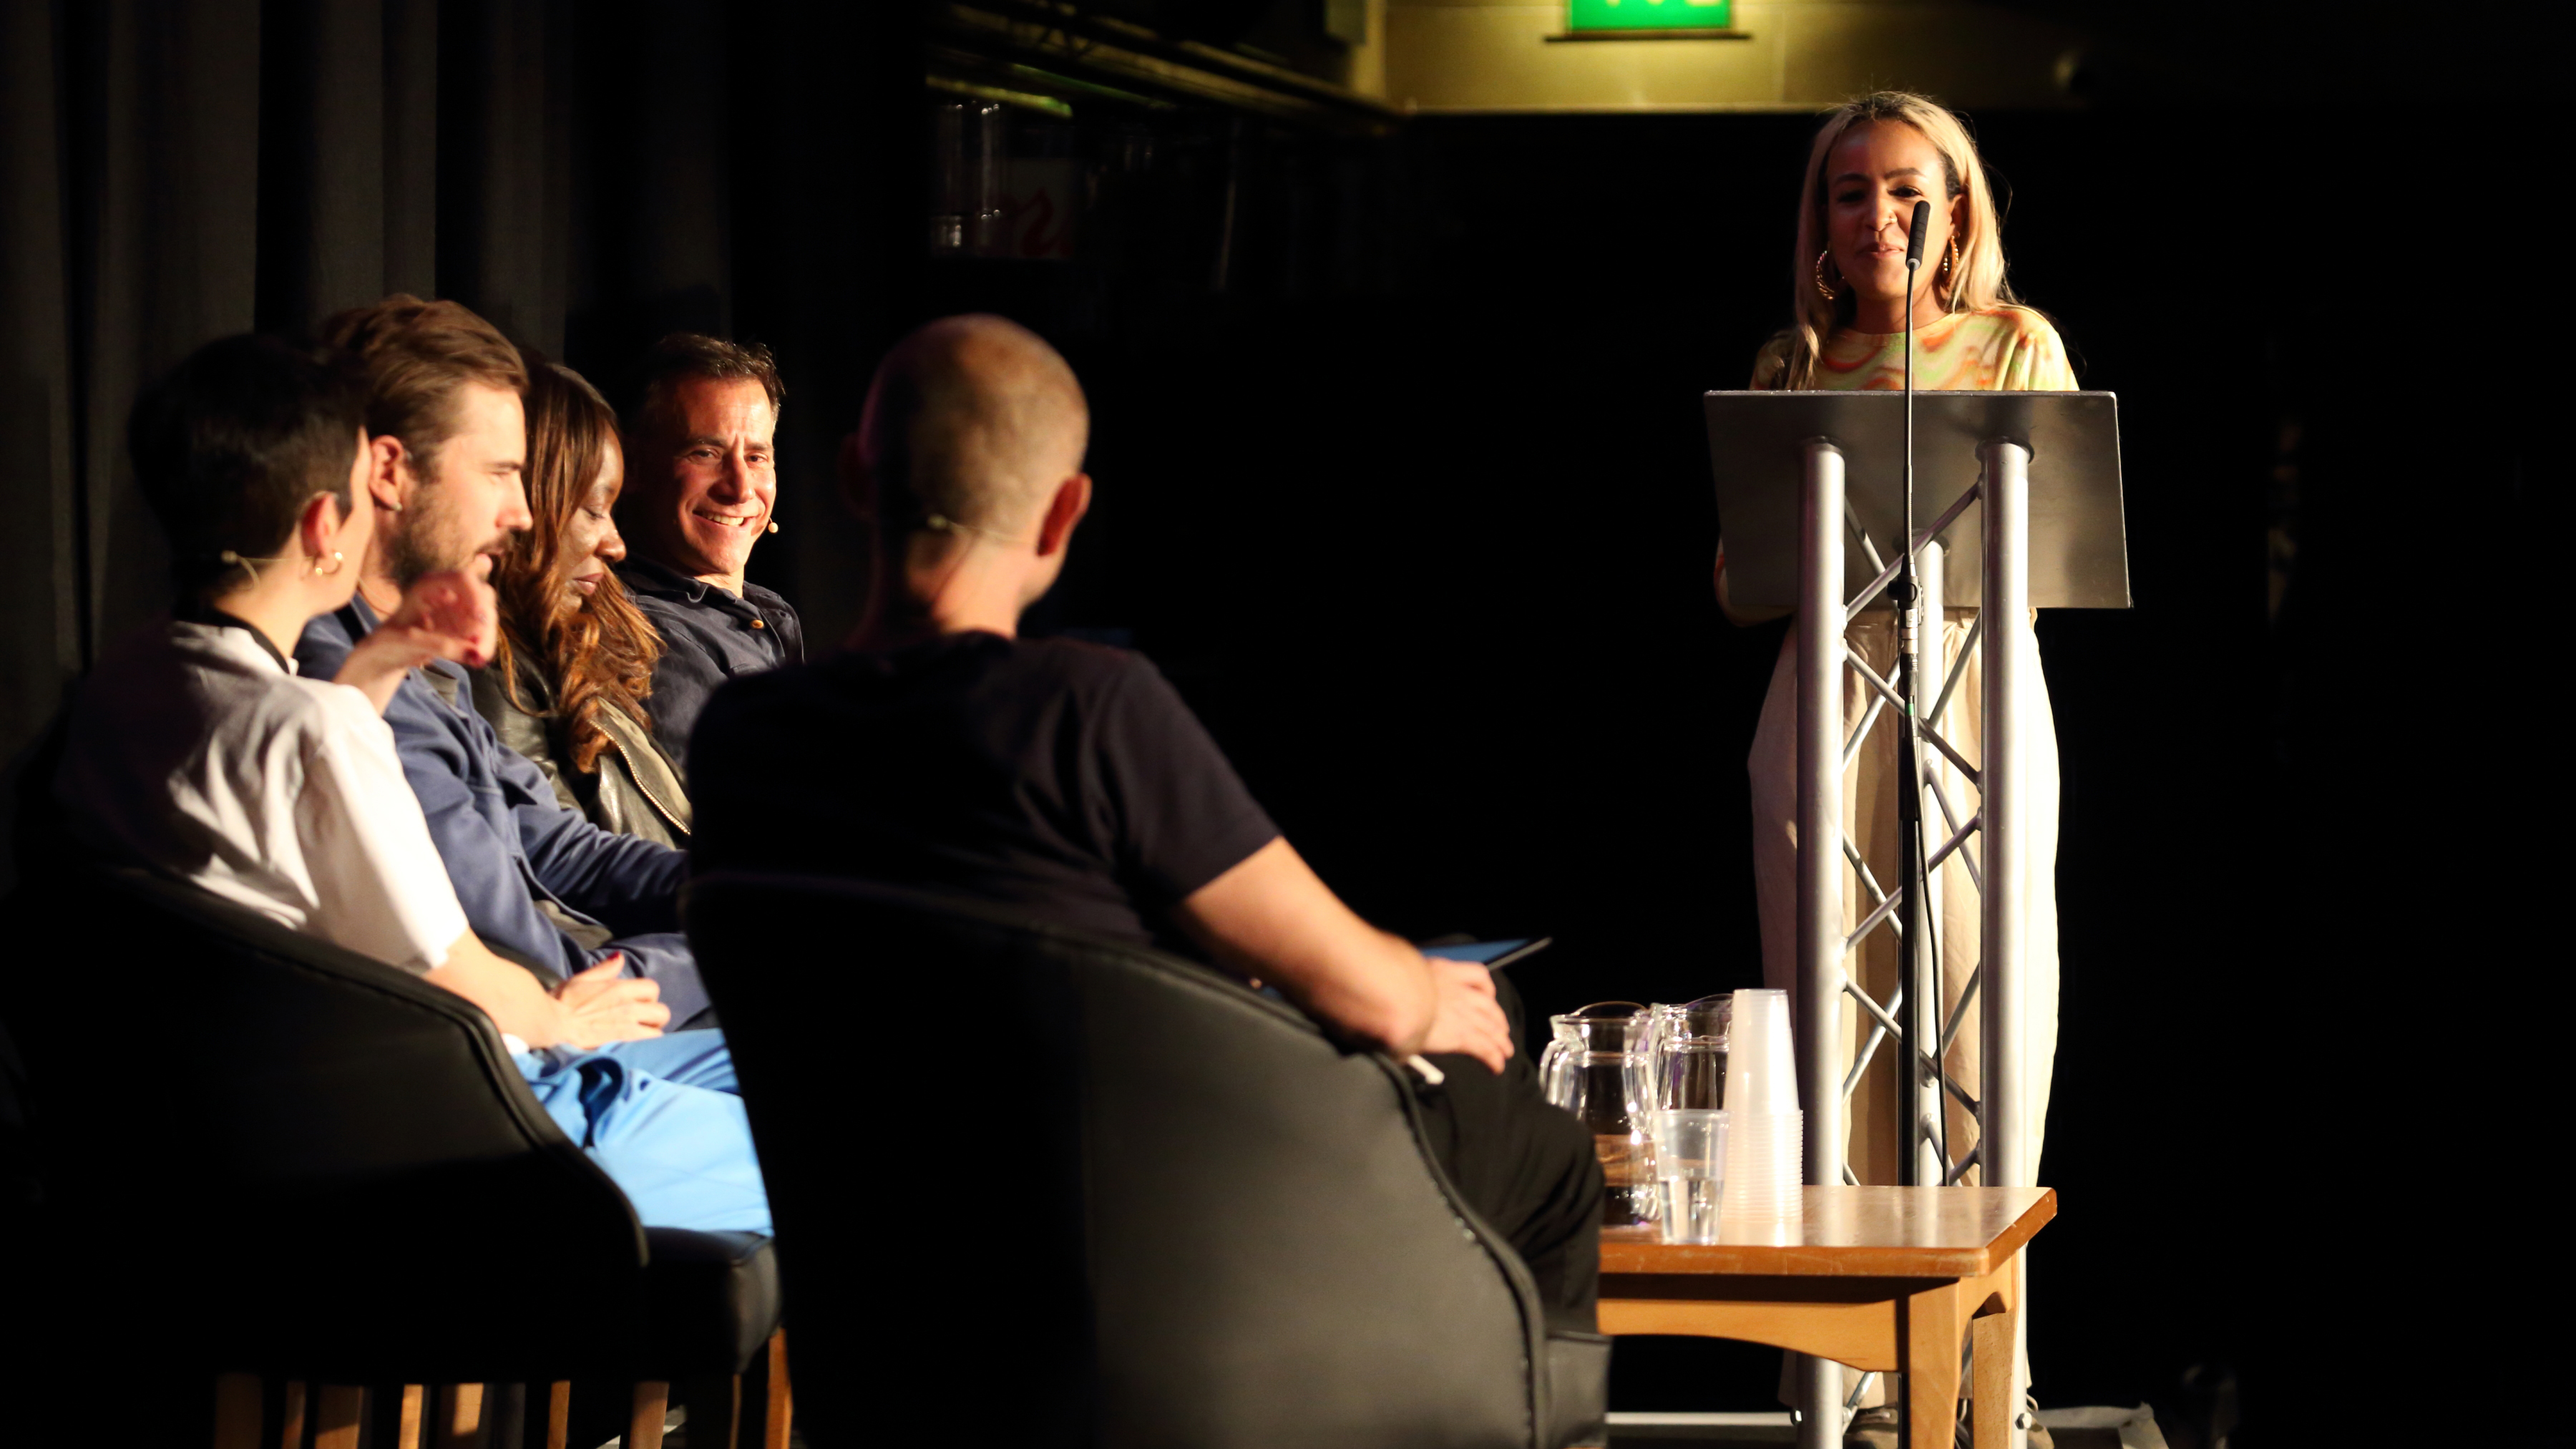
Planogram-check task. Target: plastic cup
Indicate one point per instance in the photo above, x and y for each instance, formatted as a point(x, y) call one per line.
point(1761, 1067)
point(1690, 1166)
point(1763, 1168)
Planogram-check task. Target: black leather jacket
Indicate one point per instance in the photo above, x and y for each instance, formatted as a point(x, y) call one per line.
point(634, 791)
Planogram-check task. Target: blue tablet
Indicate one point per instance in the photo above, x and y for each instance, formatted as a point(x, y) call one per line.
point(1496, 954)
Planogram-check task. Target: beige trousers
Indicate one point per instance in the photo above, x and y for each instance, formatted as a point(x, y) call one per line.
point(1872, 1141)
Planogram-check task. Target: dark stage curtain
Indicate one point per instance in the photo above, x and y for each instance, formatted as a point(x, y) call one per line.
point(587, 175)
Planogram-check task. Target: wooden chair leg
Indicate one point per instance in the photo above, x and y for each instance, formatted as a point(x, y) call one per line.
point(461, 1418)
point(558, 1415)
point(407, 1424)
point(238, 1401)
point(338, 1413)
point(652, 1406)
point(782, 1402)
point(290, 1434)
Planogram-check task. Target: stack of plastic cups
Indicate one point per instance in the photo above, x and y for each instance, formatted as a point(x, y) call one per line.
point(1766, 1127)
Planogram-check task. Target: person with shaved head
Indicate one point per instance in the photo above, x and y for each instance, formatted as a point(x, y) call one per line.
point(1068, 781)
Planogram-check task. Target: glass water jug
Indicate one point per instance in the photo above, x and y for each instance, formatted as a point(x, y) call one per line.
point(1689, 1043)
point(1599, 1065)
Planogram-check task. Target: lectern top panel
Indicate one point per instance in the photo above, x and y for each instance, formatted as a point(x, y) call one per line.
point(2079, 557)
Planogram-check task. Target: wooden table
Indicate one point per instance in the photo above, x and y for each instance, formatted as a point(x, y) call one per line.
point(1884, 1278)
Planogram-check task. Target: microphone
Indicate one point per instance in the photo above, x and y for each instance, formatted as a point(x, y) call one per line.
point(1915, 233)
point(1907, 597)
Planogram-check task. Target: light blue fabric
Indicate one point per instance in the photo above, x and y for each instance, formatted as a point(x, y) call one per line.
point(663, 1118)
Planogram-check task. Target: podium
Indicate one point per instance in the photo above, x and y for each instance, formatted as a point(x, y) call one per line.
point(2023, 493)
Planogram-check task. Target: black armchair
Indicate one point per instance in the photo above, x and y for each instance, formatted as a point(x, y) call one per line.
point(1145, 1205)
point(303, 1163)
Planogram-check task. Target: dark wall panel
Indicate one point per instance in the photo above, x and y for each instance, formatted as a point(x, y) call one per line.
point(40, 554)
point(588, 176)
point(166, 171)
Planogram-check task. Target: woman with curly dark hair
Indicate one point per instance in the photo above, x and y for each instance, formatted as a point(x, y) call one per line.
point(566, 687)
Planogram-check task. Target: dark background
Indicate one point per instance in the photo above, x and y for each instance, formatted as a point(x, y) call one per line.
point(1409, 496)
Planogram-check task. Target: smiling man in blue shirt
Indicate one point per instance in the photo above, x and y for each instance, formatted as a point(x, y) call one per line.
point(538, 882)
point(701, 482)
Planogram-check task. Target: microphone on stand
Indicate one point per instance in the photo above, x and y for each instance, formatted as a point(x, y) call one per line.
point(1915, 232)
point(1905, 581)
point(1920, 1117)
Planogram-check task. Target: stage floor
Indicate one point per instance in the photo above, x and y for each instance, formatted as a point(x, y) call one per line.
point(2079, 1428)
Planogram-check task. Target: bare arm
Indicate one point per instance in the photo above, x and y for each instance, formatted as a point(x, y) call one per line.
point(599, 1005)
point(1272, 918)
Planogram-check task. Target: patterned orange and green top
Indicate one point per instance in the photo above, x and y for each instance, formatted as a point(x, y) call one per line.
point(2001, 349)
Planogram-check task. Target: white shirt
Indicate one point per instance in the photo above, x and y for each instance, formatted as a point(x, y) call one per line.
point(195, 750)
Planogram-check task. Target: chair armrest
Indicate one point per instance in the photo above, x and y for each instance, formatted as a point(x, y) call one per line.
point(710, 1301)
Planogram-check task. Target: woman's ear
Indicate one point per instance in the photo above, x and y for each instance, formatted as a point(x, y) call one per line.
point(318, 527)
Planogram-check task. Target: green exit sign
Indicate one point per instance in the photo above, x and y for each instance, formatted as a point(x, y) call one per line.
point(1600, 15)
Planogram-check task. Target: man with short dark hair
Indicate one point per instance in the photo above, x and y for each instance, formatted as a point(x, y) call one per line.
point(701, 428)
point(1070, 782)
point(540, 883)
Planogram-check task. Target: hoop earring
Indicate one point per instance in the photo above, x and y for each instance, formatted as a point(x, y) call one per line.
point(337, 563)
point(1952, 260)
point(1820, 273)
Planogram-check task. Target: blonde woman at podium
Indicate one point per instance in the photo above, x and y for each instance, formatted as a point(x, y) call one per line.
point(1873, 159)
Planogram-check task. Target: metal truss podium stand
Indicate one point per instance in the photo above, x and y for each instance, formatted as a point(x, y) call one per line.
point(2024, 492)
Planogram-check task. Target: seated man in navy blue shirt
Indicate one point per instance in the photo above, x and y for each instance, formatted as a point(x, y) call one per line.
point(701, 419)
point(1071, 782)
point(539, 883)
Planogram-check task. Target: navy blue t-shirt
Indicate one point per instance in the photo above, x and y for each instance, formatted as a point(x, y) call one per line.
point(1060, 778)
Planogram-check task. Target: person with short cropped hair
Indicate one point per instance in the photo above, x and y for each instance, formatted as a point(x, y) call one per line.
point(1069, 781)
point(567, 686)
point(702, 483)
point(198, 750)
point(541, 883)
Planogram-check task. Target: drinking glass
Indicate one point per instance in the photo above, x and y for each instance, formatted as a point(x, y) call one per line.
point(1690, 1166)
point(1597, 1066)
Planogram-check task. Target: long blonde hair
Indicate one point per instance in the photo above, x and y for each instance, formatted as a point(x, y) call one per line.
point(1976, 281)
